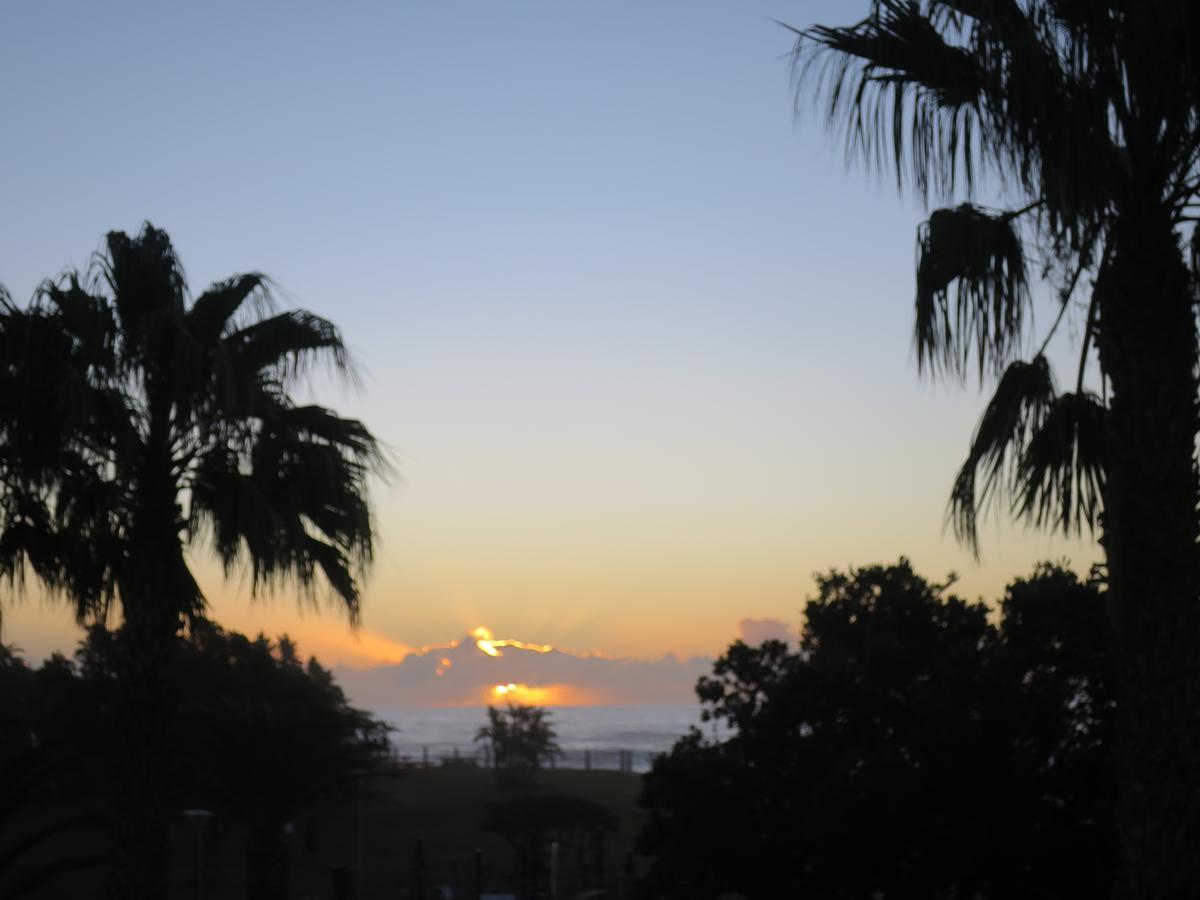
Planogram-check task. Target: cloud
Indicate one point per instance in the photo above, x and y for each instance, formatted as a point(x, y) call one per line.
point(755, 631)
point(477, 669)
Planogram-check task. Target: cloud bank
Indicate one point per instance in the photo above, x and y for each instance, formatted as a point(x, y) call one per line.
point(478, 669)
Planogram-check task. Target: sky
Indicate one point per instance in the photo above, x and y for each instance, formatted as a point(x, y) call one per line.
point(637, 340)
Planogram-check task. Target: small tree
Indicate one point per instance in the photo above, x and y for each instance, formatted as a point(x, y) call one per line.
point(520, 737)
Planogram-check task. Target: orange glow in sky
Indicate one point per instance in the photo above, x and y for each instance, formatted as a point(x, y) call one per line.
point(652, 404)
point(532, 695)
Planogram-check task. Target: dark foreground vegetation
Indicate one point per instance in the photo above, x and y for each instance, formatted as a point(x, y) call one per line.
point(912, 745)
point(281, 789)
point(1080, 121)
point(260, 740)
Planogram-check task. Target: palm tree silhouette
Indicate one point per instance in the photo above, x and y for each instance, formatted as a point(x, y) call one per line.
point(1084, 115)
point(135, 425)
point(520, 737)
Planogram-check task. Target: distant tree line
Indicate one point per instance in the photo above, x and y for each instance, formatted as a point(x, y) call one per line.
point(912, 745)
point(259, 737)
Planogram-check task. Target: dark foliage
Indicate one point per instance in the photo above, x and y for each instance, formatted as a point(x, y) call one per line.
point(36, 849)
point(1084, 119)
point(521, 738)
point(137, 422)
point(907, 748)
point(261, 739)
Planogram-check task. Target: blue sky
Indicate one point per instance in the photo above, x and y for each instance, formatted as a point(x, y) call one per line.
point(639, 342)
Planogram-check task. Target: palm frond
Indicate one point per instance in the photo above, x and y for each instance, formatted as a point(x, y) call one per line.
point(1060, 478)
point(336, 567)
point(900, 90)
point(78, 560)
point(312, 422)
point(214, 310)
point(292, 509)
point(146, 280)
point(87, 319)
point(285, 343)
point(972, 290)
point(1022, 400)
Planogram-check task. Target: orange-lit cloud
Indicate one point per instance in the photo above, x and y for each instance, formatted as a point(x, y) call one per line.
point(487, 643)
point(484, 669)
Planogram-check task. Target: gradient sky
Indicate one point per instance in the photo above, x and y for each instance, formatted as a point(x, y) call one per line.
point(639, 342)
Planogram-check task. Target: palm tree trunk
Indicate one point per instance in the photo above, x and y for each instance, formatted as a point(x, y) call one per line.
point(1148, 347)
point(143, 777)
point(149, 635)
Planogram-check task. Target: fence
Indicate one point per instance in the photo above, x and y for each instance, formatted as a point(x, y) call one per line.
point(600, 759)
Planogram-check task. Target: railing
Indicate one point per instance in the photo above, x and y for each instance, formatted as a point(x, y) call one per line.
point(600, 759)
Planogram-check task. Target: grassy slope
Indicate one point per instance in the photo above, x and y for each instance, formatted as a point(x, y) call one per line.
point(441, 806)
point(444, 808)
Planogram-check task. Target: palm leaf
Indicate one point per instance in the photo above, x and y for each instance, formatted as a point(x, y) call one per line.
point(87, 319)
point(285, 342)
point(972, 292)
point(314, 422)
point(1060, 479)
point(213, 310)
point(899, 89)
point(146, 280)
point(1021, 402)
point(298, 512)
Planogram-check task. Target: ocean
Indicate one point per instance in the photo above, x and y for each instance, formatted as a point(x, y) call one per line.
point(590, 736)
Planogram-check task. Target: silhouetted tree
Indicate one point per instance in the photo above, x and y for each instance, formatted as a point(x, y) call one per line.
point(16, 724)
point(1088, 116)
point(259, 738)
point(521, 737)
point(268, 740)
point(907, 748)
point(133, 424)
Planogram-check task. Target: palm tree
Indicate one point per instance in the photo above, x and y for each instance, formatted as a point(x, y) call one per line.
point(135, 425)
point(1085, 116)
point(521, 737)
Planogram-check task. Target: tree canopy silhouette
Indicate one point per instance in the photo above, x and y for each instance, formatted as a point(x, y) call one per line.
point(136, 423)
point(907, 748)
point(1086, 116)
point(521, 737)
point(260, 739)
point(267, 741)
